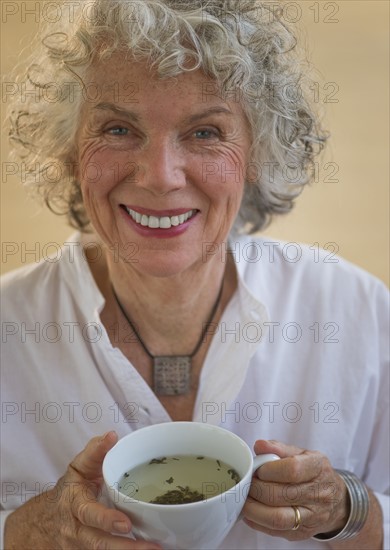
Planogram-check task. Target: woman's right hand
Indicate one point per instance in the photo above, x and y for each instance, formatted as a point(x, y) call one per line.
point(69, 515)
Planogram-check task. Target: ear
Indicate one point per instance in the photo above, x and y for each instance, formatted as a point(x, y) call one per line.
point(252, 169)
point(72, 164)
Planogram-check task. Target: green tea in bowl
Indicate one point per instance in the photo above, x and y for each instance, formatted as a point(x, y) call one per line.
point(196, 525)
point(179, 479)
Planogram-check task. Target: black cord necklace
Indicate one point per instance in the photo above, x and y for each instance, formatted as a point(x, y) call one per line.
point(172, 373)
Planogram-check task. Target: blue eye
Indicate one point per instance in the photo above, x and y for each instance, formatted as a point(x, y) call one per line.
point(118, 131)
point(205, 134)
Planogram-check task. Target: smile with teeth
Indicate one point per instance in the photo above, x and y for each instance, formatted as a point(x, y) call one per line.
point(165, 222)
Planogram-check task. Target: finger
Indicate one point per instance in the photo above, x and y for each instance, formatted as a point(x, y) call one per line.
point(301, 467)
point(263, 446)
point(290, 535)
point(282, 494)
point(275, 519)
point(96, 515)
point(88, 463)
point(94, 538)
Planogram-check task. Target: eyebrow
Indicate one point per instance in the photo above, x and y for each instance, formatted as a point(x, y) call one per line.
point(208, 112)
point(136, 118)
point(118, 110)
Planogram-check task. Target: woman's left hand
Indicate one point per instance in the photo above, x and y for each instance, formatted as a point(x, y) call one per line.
point(303, 479)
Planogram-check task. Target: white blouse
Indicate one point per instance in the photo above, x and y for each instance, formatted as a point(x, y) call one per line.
point(300, 355)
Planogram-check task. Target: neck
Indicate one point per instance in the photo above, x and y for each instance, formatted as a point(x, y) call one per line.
point(168, 312)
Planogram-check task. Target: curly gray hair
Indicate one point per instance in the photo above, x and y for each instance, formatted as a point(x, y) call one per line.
point(244, 45)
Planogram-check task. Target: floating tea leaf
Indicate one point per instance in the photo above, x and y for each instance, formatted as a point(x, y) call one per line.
point(191, 478)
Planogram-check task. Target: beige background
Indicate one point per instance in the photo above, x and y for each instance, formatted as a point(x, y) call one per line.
point(348, 43)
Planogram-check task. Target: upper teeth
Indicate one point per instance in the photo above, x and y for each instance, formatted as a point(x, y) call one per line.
point(165, 222)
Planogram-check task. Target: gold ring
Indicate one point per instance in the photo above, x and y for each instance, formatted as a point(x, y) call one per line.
point(297, 518)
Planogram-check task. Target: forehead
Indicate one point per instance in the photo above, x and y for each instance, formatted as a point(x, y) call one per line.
point(131, 84)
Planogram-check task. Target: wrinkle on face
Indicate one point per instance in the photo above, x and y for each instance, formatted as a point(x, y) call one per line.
point(170, 119)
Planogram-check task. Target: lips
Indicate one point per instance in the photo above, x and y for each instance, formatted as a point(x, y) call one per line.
point(159, 222)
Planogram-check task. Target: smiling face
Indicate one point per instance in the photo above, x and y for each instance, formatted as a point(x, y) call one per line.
point(161, 165)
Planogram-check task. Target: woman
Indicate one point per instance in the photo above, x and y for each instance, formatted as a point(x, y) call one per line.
point(167, 115)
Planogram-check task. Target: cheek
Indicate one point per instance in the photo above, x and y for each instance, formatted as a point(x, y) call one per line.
point(225, 174)
point(100, 170)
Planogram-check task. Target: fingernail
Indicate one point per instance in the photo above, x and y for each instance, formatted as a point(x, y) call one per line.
point(106, 435)
point(121, 526)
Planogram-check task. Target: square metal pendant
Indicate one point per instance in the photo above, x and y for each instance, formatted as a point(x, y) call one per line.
point(172, 374)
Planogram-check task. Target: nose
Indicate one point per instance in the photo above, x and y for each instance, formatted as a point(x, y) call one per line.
point(162, 168)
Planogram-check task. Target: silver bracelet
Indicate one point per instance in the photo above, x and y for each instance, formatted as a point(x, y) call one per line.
point(359, 503)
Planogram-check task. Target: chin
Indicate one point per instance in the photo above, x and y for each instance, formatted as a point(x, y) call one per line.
point(162, 264)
